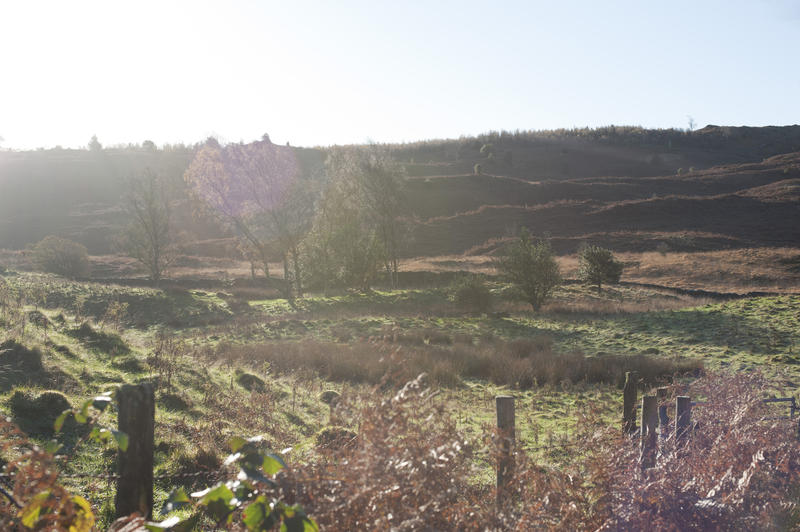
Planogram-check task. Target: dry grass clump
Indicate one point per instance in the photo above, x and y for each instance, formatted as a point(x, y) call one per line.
point(739, 470)
point(521, 363)
point(736, 270)
point(407, 469)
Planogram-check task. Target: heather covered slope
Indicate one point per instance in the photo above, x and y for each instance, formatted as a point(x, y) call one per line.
point(742, 205)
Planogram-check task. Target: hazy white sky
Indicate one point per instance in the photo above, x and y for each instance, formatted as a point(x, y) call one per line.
point(318, 73)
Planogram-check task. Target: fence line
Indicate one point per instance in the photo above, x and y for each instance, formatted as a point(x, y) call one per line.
point(137, 418)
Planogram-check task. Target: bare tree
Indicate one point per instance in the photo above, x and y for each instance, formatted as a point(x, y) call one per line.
point(148, 238)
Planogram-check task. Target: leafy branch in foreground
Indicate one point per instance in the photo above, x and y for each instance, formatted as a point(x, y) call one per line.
point(249, 496)
point(89, 414)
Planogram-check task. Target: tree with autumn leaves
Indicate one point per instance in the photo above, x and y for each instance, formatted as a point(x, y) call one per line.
point(257, 188)
point(341, 229)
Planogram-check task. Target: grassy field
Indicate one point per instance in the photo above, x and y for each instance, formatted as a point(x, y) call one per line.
point(231, 362)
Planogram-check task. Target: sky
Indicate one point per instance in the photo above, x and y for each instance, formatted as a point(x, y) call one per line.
point(322, 73)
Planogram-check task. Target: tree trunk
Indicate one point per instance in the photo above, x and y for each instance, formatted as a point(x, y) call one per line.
point(287, 281)
point(298, 279)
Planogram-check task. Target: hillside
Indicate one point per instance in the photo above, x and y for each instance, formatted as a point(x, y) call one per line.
point(744, 205)
point(728, 187)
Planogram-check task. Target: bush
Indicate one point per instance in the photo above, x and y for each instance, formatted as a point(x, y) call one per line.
point(598, 265)
point(36, 414)
point(19, 365)
point(530, 266)
point(471, 293)
point(61, 256)
point(250, 382)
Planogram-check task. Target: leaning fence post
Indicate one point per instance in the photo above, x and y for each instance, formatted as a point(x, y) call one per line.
point(683, 417)
point(629, 402)
point(505, 427)
point(135, 465)
point(663, 417)
point(649, 424)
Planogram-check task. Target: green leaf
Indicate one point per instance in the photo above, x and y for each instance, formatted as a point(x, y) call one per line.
point(258, 516)
point(29, 514)
point(83, 415)
point(243, 491)
point(177, 499)
point(59, 423)
point(52, 447)
point(236, 443)
point(96, 434)
point(221, 492)
point(219, 510)
point(255, 473)
point(294, 524)
point(122, 440)
point(187, 525)
point(295, 519)
point(84, 517)
point(272, 464)
point(218, 501)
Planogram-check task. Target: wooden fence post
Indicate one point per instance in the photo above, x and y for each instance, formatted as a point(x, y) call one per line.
point(683, 417)
point(135, 466)
point(629, 402)
point(505, 426)
point(649, 424)
point(663, 417)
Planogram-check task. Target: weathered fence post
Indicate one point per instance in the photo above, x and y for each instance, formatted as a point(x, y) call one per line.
point(135, 465)
point(505, 427)
point(663, 417)
point(683, 417)
point(629, 402)
point(649, 424)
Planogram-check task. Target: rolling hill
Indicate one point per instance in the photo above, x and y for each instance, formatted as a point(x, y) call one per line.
point(625, 187)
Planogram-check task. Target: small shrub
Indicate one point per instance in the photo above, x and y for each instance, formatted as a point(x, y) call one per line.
point(19, 365)
point(36, 414)
point(598, 265)
point(250, 382)
point(129, 364)
point(330, 397)
point(37, 318)
point(61, 256)
point(99, 340)
point(335, 438)
point(198, 462)
point(174, 402)
point(471, 293)
point(530, 266)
